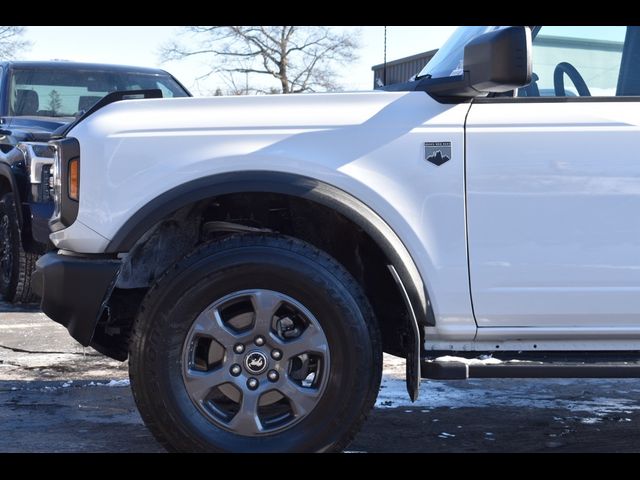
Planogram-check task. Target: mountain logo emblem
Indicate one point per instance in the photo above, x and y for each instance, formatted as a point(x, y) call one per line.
point(437, 152)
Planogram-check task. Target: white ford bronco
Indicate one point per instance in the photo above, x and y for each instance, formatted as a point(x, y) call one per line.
point(253, 257)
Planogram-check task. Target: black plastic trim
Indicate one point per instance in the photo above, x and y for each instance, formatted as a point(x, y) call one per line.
point(445, 370)
point(412, 366)
point(68, 149)
point(554, 371)
point(74, 290)
point(462, 371)
point(289, 184)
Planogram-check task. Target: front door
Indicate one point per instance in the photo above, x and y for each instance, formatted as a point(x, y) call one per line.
point(553, 188)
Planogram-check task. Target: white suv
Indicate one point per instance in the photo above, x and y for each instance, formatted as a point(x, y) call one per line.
point(254, 256)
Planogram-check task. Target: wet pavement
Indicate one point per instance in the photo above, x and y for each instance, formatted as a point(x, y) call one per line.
point(56, 396)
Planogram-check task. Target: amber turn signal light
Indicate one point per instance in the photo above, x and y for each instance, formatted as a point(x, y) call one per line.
point(74, 179)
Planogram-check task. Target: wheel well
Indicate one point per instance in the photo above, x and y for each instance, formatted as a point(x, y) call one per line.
point(319, 225)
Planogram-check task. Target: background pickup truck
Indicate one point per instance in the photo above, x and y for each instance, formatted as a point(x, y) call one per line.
point(36, 99)
point(252, 257)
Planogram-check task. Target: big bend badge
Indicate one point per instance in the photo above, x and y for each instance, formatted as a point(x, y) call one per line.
point(437, 152)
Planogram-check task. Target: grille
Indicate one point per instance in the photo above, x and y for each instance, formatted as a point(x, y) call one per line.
point(46, 184)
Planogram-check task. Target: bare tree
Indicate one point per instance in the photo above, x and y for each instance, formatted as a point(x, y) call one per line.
point(11, 41)
point(300, 59)
point(55, 101)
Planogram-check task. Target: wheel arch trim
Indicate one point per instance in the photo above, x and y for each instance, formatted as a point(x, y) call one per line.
point(289, 184)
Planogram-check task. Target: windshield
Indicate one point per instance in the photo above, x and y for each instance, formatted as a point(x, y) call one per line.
point(448, 61)
point(69, 93)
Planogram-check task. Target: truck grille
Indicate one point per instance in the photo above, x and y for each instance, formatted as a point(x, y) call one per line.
point(46, 184)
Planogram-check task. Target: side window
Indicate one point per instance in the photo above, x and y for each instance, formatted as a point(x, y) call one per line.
point(166, 93)
point(169, 88)
point(583, 61)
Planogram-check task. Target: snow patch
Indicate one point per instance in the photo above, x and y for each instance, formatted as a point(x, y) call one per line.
point(112, 383)
point(516, 393)
point(481, 360)
point(118, 383)
point(590, 420)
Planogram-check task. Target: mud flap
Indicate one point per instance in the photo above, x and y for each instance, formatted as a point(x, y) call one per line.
point(413, 341)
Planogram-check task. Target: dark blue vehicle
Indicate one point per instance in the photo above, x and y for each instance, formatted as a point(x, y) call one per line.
point(36, 99)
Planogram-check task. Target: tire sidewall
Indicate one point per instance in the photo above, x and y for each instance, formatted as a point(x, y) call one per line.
point(8, 211)
point(208, 279)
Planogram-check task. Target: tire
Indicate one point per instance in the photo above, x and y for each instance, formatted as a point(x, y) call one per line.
point(16, 265)
point(321, 307)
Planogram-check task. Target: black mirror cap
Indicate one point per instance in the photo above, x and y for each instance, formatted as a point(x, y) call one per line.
point(499, 61)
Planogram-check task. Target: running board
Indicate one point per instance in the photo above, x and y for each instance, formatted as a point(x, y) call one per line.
point(461, 371)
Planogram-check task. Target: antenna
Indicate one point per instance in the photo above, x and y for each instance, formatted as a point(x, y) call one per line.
point(384, 69)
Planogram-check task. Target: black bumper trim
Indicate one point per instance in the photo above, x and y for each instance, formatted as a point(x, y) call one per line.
point(74, 290)
point(40, 213)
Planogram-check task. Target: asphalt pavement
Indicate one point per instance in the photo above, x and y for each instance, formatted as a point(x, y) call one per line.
point(56, 396)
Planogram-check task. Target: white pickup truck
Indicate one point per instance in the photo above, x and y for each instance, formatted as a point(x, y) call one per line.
point(253, 257)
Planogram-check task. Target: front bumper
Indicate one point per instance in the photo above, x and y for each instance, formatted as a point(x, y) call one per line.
point(40, 213)
point(74, 290)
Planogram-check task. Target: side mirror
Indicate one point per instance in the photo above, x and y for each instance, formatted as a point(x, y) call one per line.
point(494, 62)
point(499, 61)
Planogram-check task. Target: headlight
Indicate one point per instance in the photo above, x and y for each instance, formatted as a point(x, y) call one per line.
point(36, 155)
point(43, 150)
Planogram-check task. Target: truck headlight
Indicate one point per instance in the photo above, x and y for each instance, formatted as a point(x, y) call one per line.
point(43, 150)
point(38, 159)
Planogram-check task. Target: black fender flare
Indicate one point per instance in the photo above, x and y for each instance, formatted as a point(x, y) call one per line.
point(7, 173)
point(289, 184)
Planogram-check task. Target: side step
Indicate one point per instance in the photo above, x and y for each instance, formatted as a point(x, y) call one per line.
point(451, 370)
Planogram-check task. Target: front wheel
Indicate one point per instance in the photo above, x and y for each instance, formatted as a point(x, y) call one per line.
point(255, 343)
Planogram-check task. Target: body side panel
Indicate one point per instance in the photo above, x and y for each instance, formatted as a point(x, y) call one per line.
point(370, 145)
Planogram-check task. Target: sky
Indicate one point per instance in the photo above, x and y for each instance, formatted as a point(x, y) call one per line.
point(140, 45)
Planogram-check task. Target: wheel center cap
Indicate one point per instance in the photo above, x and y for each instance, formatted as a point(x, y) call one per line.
point(255, 362)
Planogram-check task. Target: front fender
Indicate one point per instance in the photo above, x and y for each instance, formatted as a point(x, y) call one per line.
point(289, 184)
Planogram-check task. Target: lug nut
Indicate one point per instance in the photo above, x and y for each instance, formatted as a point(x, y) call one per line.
point(235, 370)
point(273, 376)
point(276, 354)
point(239, 348)
point(259, 341)
point(252, 383)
